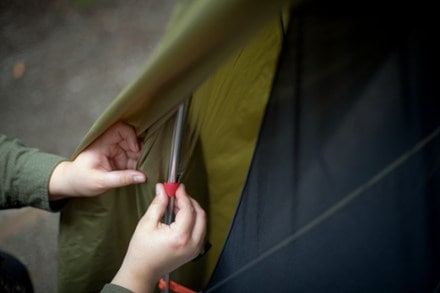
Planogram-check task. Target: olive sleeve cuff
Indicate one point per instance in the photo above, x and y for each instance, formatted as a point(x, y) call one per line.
point(112, 288)
point(25, 174)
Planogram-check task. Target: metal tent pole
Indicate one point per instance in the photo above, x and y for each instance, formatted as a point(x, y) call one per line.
point(172, 169)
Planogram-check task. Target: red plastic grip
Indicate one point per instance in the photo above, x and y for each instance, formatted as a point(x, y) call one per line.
point(174, 287)
point(170, 188)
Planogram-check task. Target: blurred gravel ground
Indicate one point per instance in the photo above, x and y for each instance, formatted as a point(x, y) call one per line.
point(61, 64)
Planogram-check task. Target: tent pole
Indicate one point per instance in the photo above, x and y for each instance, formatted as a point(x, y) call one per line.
point(172, 169)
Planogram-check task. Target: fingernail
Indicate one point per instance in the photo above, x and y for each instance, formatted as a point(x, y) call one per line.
point(138, 178)
point(136, 146)
point(157, 189)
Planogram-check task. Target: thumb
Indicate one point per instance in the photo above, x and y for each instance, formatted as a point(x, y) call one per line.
point(157, 208)
point(116, 179)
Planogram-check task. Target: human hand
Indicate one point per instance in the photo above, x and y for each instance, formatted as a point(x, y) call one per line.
point(109, 162)
point(156, 248)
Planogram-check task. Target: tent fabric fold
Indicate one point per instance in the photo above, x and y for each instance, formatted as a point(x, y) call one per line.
point(227, 76)
point(200, 36)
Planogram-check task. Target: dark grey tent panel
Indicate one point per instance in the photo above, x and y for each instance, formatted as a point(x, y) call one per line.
point(343, 192)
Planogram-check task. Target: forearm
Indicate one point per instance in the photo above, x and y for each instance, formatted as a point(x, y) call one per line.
point(25, 174)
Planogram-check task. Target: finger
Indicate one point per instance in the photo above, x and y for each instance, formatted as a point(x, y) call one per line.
point(124, 160)
point(200, 224)
point(132, 155)
point(131, 164)
point(116, 179)
point(122, 134)
point(158, 206)
point(128, 134)
point(127, 146)
point(185, 215)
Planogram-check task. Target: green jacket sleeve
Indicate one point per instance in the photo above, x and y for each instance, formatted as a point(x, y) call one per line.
point(112, 288)
point(24, 176)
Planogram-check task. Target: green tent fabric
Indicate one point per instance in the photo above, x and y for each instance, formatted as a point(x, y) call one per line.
point(228, 76)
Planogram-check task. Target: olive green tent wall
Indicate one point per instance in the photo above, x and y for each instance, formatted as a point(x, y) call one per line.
point(228, 98)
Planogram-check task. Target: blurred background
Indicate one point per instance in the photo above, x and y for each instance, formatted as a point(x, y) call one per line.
point(61, 64)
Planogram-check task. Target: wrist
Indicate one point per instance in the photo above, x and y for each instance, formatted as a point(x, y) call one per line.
point(134, 280)
point(57, 188)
